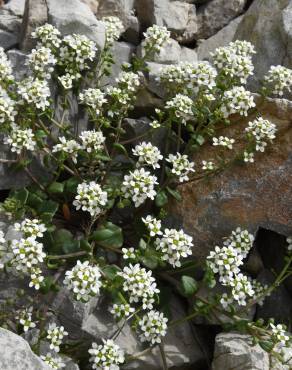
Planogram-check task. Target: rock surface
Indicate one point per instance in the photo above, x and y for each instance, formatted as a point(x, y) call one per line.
point(15, 353)
point(252, 196)
point(234, 351)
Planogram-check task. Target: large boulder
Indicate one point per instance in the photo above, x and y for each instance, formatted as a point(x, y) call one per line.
point(235, 351)
point(247, 195)
point(15, 353)
point(267, 24)
point(10, 23)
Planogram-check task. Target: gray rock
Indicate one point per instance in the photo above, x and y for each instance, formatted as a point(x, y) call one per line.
point(216, 14)
point(234, 351)
point(15, 7)
point(16, 354)
point(124, 9)
point(35, 15)
point(18, 59)
point(221, 38)
point(262, 26)
point(286, 31)
point(179, 17)
point(8, 40)
point(171, 53)
point(73, 16)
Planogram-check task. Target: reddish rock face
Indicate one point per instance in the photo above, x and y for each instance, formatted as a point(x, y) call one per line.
point(248, 195)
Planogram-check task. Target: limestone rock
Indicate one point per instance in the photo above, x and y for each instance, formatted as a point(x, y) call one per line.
point(216, 14)
point(221, 38)
point(18, 59)
point(262, 26)
point(123, 9)
point(8, 40)
point(179, 17)
point(251, 196)
point(16, 354)
point(73, 16)
point(93, 5)
point(10, 23)
point(234, 351)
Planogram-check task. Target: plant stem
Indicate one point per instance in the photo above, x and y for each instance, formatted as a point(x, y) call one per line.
point(164, 362)
point(64, 256)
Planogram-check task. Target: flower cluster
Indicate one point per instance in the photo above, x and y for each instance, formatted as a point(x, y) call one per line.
point(153, 327)
point(48, 35)
point(122, 310)
point(223, 141)
point(153, 225)
point(279, 79)
point(174, 245)
point(181, 166)
point(92, 141)
point(241, 240)
point(68, 147)
point(35, 91)
point(148, 154)
point(5, 67)
point(54, 362)
point(208, 166)
point(55, 335)
point(128, 81)
point(138, 186)
point(113, 28)
point(139, 284)
point(234, 60)
point(155, 37)
point(107, 356)
point(237, 100)
point(24, 317)
point(279, 334)
point(93, 98)
point(7, 108)
point(41, 61)
point(31, 228)
point(90, 197)
point(28, 253)
point(262, 131)
point(129, 253)
point(20, 139)
point(181, 105)
point(83, 280)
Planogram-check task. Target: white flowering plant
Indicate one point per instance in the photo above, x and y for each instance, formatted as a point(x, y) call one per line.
point(70, 222)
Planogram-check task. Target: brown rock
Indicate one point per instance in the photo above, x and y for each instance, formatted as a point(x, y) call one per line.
point(247, 195)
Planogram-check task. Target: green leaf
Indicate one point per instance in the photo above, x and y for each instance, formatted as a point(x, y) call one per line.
point(21, 195)
point(161, 199)
point(174, 193)
point(56, 188)
point(109, 235)
point(266, 345)
point(120, 148)
point(71, 185)
point(142, 244)
point(48, 206)
point(65, 242)
point(189, 285)
point(34, 200)
point(110, 271)
point(150, 261)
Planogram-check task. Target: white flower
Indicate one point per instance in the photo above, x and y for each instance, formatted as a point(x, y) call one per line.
point(93, 98)
point(153, 225)
point(139, 284)
point(48, 35)
point(243, 47)
point(27, 254)
point(41, 61)
point(262, 131)
point(128, 253)
point(241, 240)
point(5, 67)
point(148, 154)
point(113, 28)
point(155, 37)
point(128, 81)
point(35, 91)
point(279, 334)
point(90, 197)
point(92, 140)
point(289, 241)
point(83, 280)
point(226, 301)
point(181, 166)
point(36, 278)
point(208, 166)
point(20, 139)
point(242, 289)
point(155, 124)
point(237, 100)
point(181, 105)
point(122, 310)
point(107, 356)
point(67, 146)
point(279, 78)
point(3, 249)
point(25, 319)
point(7, 108)
point(223, 141)
point(54, 362)
point(67, 80)
point(32, 228)
point(174, 245)
point(55, 334)
point(153, 327)
point(248, 157)
point(138, 186)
